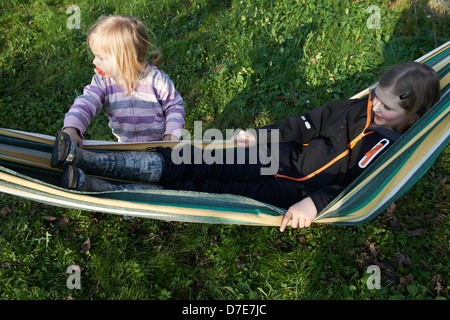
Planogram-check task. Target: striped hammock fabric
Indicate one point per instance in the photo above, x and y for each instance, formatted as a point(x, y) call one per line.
point(25, 172)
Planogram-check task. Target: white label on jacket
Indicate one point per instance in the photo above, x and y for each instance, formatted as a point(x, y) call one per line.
point(307, 124)
point(369, 156)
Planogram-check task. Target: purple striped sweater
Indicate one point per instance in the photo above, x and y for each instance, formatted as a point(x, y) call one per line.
point(152, 110)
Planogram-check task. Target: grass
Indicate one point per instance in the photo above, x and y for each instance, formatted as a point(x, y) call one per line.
point(238, 64)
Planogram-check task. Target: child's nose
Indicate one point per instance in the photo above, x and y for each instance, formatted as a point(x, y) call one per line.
point(376, 105)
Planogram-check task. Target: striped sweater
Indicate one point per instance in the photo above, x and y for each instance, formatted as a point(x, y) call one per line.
point(152, 110)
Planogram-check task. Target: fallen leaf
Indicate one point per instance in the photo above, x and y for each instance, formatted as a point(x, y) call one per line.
point(436, 282)
point(151, 235)
point(239, 264)
point(372, 250)
point(404, 281)
point(4, 212)
point(86, 246)
point(58, 222)
point(50, 218)
point(403, 259)
point(416, 232)
point(391, 208)
point(218, 67)
point(62, 222)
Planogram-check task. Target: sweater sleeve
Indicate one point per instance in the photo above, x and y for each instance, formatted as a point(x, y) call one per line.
point(172, 104)
point(86, 106)
point(302, 129)
point(312, 124)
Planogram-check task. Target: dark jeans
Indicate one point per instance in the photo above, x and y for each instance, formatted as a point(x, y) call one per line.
point(238, 172)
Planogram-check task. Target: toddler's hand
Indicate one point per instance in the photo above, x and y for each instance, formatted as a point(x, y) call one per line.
point(73, 133)
point(170, 137)
point(302, 214)
point(244, 139)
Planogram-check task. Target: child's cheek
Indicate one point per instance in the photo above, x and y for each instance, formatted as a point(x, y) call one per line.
point(388, 115)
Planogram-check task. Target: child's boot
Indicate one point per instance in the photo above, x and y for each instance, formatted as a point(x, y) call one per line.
point(75, 179)
point(128, 165)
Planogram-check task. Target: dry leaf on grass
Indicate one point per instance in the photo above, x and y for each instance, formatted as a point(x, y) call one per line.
point(4, 212)
point(86, 246)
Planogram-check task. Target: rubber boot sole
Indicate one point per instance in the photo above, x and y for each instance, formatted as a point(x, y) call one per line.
point(70, 178)
point(61, 149)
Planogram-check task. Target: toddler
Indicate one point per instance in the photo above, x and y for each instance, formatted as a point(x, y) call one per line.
point(140, 100)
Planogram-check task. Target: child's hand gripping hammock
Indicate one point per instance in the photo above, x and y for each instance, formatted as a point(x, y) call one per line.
point(25, 172)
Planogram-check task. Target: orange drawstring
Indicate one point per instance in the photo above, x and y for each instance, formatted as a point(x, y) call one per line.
point(343, 154)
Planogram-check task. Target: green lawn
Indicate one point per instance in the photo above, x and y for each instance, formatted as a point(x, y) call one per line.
point(237, 64)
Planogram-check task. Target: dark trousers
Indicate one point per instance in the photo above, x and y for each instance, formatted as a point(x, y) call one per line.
point(238, 172)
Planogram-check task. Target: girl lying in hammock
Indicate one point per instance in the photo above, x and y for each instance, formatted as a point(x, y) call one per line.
point(320, 153)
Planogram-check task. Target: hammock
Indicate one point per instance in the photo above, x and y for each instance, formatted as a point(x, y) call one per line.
point(25, 172)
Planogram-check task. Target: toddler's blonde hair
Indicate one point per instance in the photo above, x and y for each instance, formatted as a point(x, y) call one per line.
point(125, 41)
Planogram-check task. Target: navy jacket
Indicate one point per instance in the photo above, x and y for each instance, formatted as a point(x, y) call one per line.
point(311, 142)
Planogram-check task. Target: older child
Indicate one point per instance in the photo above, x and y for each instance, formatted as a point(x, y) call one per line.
point(320, 153)
point(140, 100)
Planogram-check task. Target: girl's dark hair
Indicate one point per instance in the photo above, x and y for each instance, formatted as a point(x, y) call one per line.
point(417, 85)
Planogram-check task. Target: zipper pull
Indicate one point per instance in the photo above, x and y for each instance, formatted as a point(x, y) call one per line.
point(370, 155)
